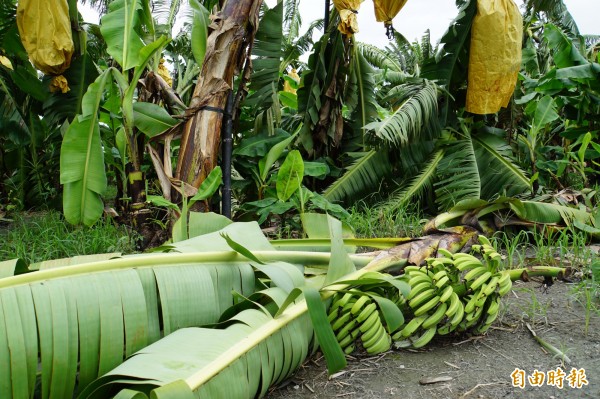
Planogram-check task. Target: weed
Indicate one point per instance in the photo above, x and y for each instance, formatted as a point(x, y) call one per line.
point(587, 292)
point(46, 235)
point(533, 310)
point(515, 247)
point(371, 222)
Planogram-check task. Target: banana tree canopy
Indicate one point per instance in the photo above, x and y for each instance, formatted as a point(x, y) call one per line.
point(45, 31)
point(495, 55)
point(348, 10)
point(385, 11)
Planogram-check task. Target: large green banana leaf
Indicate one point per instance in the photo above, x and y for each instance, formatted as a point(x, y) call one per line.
point(119, 29)
point(82, 160)
point(79, 318)
point(79, 321)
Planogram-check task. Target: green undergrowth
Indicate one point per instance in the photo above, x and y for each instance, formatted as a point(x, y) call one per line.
point(39, 236)
point(371, 222)
point(546, 247)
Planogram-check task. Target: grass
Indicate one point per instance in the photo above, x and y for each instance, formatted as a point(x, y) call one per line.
point(46, 235)
point(371, 222)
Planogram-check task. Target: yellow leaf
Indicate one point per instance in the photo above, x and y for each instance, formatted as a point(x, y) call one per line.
point(5, 62)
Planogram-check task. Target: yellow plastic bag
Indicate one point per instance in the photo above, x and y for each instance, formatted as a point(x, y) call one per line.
point(385, 11)
point(287, 87)
point(45, 31)
point(348, 10)
point(59, 84)
point(495, 55)
point(164, 73)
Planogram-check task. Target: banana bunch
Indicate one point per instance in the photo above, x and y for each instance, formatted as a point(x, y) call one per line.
point(357, 315)
point(485, 283)
point(432, 300)
point(455, 292)
point(354, 316)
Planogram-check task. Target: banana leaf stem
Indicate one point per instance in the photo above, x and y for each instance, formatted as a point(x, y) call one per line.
point(546, 271)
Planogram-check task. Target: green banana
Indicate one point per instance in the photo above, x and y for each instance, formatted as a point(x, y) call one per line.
point(464, 256)
point(445, 253)
point(358, 305)
point(344, 332)
point(411, 327)
point(348, 339)
point(366, 312)
point(505, 284)
point(474, 315)
point(458, 315)
point(419, 279)
point(467, 264)
point(446, 293)
point(421, 298)
point(367, 335)
point(453, 307)
point(442, 262)
point(442, 282)
point(417, 289)
point(490, 287)
point(368, 341)
point(438, 275)
point(475, 273)
point(383, 344)
point(470, 305)
point(446, 328)
point(479, 281)
point(483, 240)
point(424, 338)
point(412, 268)
point(341, 301)
point(341, 321)
point(368, 324)
point(436, 317)
point(427, 306)
point(494, 306)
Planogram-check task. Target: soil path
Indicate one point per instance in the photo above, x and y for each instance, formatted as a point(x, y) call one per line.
point(476, 367)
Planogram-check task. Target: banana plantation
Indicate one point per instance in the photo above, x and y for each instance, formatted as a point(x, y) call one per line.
point(258, 163)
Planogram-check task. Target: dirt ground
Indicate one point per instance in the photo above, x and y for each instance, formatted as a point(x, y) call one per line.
point(478, 366)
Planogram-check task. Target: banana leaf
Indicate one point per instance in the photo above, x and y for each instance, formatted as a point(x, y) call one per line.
point(81, 321)
point(82, 160)
point(119, 29)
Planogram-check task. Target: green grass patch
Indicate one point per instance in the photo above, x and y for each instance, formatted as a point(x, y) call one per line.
point(40, 236)
point(371, 222)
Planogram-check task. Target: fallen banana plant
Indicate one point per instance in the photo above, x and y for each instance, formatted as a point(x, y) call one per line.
point(89, 317)
point(255, 349)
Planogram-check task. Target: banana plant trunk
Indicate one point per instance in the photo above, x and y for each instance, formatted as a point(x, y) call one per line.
point(230, 33)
